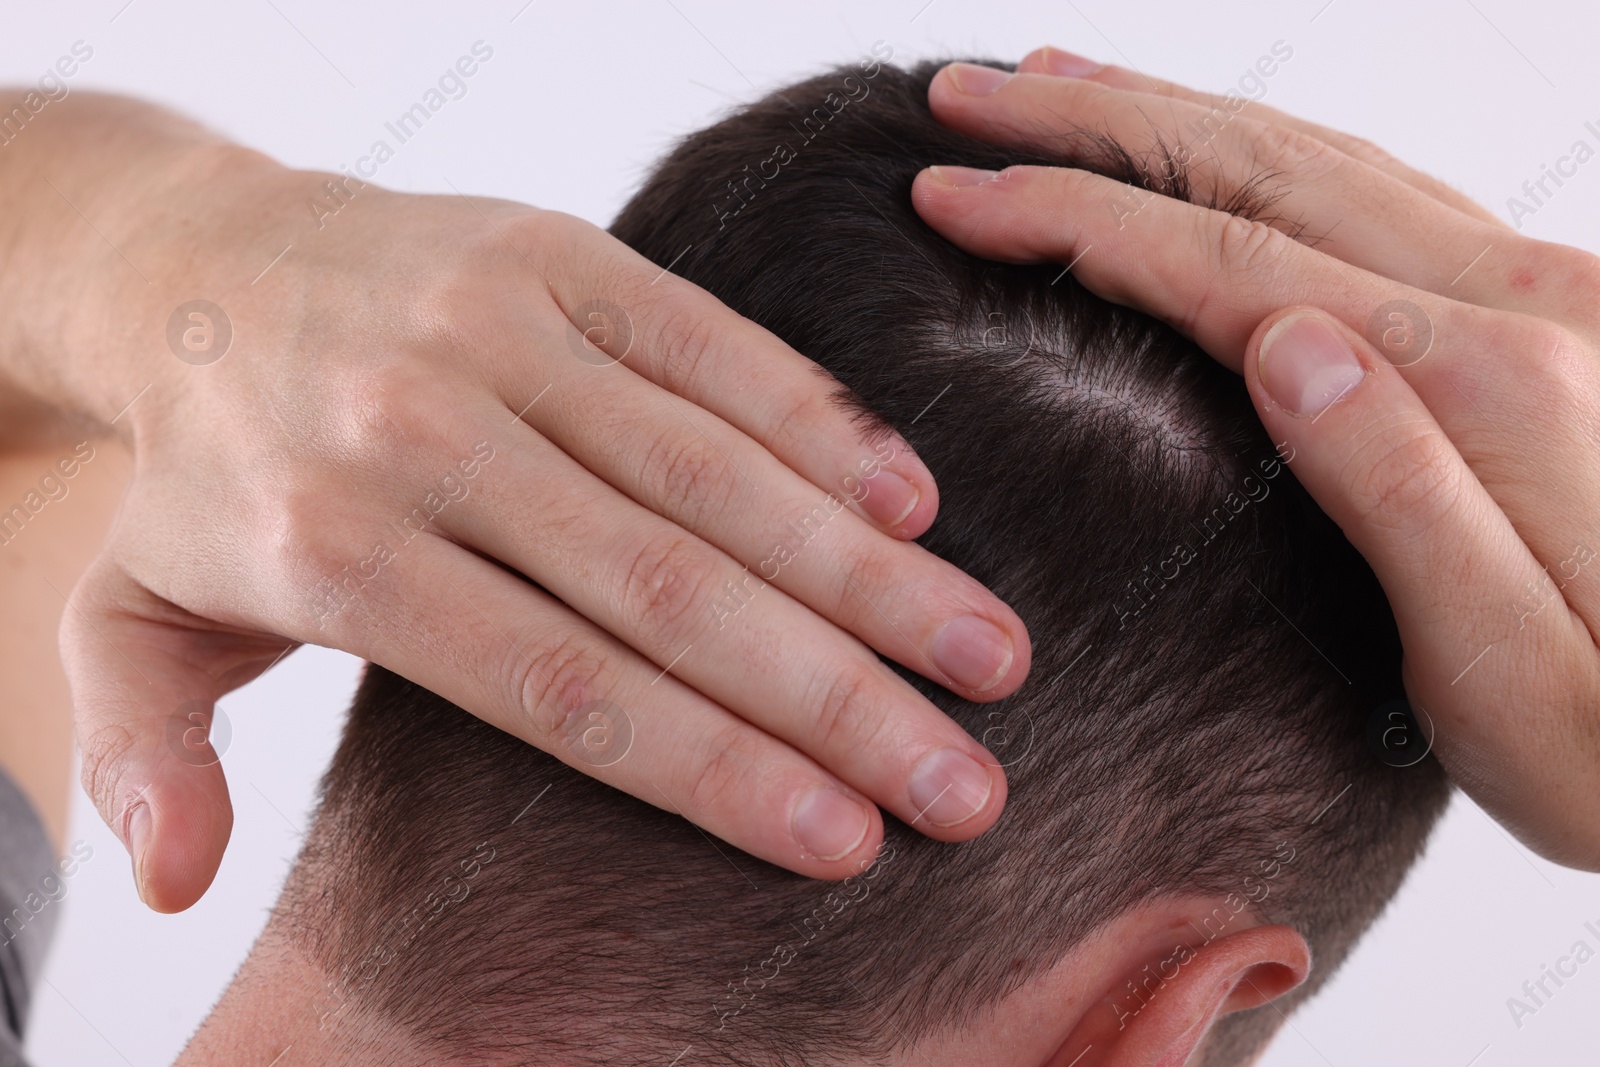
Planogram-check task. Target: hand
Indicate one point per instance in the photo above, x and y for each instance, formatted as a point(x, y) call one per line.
point(1434, 375)
point(492, 449)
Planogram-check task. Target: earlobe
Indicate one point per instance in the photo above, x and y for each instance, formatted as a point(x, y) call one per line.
point(1158, 1013)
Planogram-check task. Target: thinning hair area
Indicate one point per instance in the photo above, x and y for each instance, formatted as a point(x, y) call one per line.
point(1208, 653)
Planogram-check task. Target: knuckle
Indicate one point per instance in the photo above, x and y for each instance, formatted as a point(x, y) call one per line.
point(531, 230)
point(728, 773)
point(398, 410)
point(552, 683)
point(306, 538)
point(507, 240)
point(1554, 372)
point(666, 587)
point(1554, 368)
point(1246, 246)
point(384, 413)
point(869, 573)
point(692, 476)
point(441, 313)
point(454, 307)
point(846, 718)
point(1578, 274)
point(804, 417)
point(1412, 481)
point(1365, 151)
point(547, 253)
point(1241, 250)
point(1293, 153)
point(312, 549)
point(686, 336)
point(107, 751)
point(1070, 184)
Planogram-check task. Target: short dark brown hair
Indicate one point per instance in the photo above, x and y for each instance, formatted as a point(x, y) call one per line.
point(1208, 653)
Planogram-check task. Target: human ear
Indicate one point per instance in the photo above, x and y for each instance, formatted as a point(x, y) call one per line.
point(1158, 1013)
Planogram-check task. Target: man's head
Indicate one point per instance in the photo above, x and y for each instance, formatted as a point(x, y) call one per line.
point(1193, 801)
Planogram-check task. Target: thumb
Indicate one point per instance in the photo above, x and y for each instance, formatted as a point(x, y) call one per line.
point(1366, 446)
point(143, 692)
point(1370, 451)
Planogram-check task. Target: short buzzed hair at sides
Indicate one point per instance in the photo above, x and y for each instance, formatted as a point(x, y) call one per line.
point(1208, 651)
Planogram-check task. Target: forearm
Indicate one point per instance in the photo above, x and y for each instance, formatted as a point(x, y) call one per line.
point(91, 212)
point(51, 525)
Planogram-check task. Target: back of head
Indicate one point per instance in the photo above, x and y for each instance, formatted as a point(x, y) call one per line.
point(1207, 652)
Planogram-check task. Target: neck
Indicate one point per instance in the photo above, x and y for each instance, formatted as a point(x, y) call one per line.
point(282, 1010)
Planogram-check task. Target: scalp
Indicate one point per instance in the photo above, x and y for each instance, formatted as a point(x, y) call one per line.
point(1075, 443)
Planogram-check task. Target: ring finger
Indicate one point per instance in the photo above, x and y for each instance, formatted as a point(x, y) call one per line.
point(1049, 60)
point(1216, 277)
point(690, 466)
point(704, 618)
point(1355, 212)
point(570, 689)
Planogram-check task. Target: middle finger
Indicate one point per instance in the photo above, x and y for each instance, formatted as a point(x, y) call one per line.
point(1514, 393)
point(686, 464)
point(700, 616)
point(1048, 60)
point(1318, 194)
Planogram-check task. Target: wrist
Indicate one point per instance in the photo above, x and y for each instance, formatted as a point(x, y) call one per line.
point(100, 251)
point(188, 227)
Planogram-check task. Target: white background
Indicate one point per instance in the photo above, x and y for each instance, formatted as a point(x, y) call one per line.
point(575, 104)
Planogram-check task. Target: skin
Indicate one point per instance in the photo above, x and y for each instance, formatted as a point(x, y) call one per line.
point(37, 568)
point(1070, 1014)
point(1467, 473)
point(1077, 1013)
point(442, 353)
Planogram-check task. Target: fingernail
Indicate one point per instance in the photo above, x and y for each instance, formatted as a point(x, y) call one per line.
point(974, 80)
point(1305, 365)
point(889, 498)
point(972, 652)
point(963, 175)
point(1068, 64)
point(138, 841)
point(829, 824)
point(949, 787)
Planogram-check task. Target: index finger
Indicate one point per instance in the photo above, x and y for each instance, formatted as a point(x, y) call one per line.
point(683, 339)
point(1056, 61)
point(1211, 275)
point(687, 341)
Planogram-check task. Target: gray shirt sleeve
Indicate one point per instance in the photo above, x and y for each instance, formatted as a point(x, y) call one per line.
point(30, 886)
